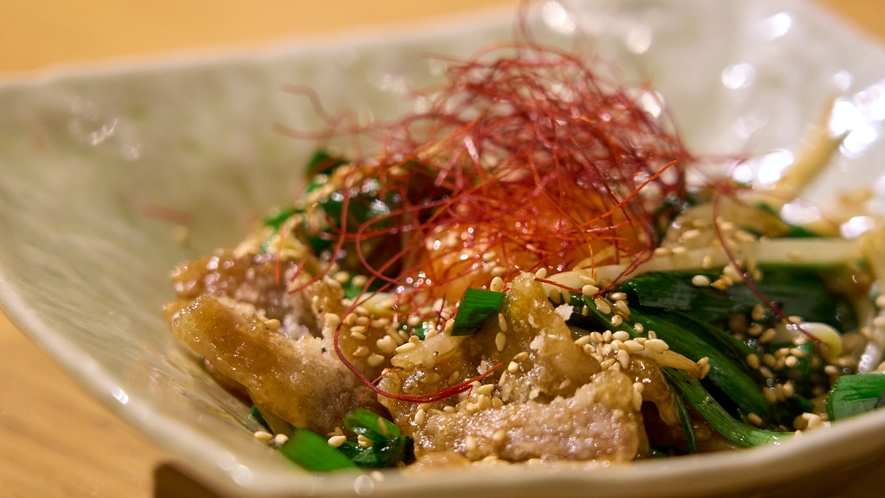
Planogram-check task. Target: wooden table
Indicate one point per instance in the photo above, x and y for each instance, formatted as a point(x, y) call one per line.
point(54, 439)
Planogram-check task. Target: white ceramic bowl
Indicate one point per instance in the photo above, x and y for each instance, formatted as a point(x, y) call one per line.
point(82, 153)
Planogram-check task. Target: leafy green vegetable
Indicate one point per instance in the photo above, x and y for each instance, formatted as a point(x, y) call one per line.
point(476, 306)
point(855, 394)
point(718, 418)
point(313, 452)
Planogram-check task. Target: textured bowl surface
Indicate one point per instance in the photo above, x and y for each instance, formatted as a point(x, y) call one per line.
point(84, 155)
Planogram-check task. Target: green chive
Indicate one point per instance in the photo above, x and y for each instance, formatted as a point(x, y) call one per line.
point(313, 452)
point(476, 306)
point(855, 394)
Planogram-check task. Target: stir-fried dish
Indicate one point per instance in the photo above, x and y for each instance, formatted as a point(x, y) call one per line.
point(535, 268)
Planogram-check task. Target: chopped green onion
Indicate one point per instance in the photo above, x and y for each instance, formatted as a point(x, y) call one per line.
point(855, 394)
point(371, 425)
point(476, 306)
point(691, 439)
point(313, 452)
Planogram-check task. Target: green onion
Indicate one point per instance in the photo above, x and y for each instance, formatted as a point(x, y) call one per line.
point(718, 418)
point(476, 306)
point(321, 162)
point(313, 452)
point(258, 418)
point(855, 394)
point(691, 439)
point(389, 445)
point(371, 425)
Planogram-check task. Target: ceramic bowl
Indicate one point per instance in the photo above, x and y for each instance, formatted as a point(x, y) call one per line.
point(98, 166)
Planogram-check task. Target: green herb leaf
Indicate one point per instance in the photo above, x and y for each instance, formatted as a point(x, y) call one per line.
point(855, 394)
point(476, 306)
point(313, 452)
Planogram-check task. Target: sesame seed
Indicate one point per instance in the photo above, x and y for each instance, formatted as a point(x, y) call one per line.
point(483, 402)
point(769, 360)
point(485, 389)
point(362, 320)
point(607, 336)
point(767, 336)
point(360, 329)
point(357, 335)
point(700, 281)
point(499, 271)
point(831, 370)
point(364, 441)
point(513, 367)
point(497, 284)
point(470, 443)
point(662, 252)
point(638, 327)
point(386, 344)
point(405, 348)
point(359, 281)
point(617, 320)
point(656, 345)
point(555, 296)
point(332, 320)
point(880, 301)
point(431, 378)
point(489, 256)
point(541, 273)
point(769, 395)
point(621, 308)
point(705, 370)
point(755, 330)
point(497, 402)
point(502, 322)
point(360, 311)
point(633, 346)
point(382, 426)
point(617, 296)
point(521, 356)
point(678, 250)
point(449, 409)
point(336, 441)
point(596, 337)
point(272, 324)
point(703, 361)
point(791, 361)
point(454, 378)
point(624, 358)
point(374, 360)
point(581, 341)
point(377, 476)
point(620, 335)
point(754, 419)
point(753, 361)
point(879, 322)
point(499, 436)
point(500, 341)
point(589, 290)
point(607, 363)
point(262, 435)
point(707, 262)
point(281, 439)
point(766, 372)
point(361, 352)
point(690, 234)
point(586, 280)
point(789, 389)
point(652, 335)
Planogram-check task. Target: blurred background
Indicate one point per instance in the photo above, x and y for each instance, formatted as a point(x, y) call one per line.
point(54, 439)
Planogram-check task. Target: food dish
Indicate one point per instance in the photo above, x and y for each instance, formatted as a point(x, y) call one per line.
point(114, 294)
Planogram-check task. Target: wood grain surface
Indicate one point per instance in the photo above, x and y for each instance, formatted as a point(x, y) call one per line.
point(55, 441)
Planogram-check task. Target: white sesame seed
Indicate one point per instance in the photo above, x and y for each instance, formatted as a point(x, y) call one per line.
point(497, 284)
point(500, 341)
point(662, 252)
point(703, 361)
point(364, 441)
point(700, 281)
point(485, 389)
point(419, 416)
point(359, 329)
point(633, 346)
point(769, 395)
point(336, 441)
point(362, 320)
point(357, 335)
point(657, 345)
point(624, 358)
point(758, 312)
point(581, 341)
point(405, 348)
point(262, 435)
point(431, 378)
point(794, 255)
point(621, 335)
point(617, 296)
point(831, 370)
point(705, 370)
point(767, 336)
point(638, 327)
point(281, 439)
point(454, 378)
point(617, 320)
point(754, 419)
point(489, 256)
point(753, 361)
point(607, 336)
point(791, 361)
point(499, 436)
point(586, 280)
point(449, 409)
point(880, 301)
point(359, 281)
point(541, 273)
point(589, 290)
point(638, 387)
point(607, 363)
point(637, 401)
point(769, 360)
point(332, 320)
point(596, 337)
point(879, 322)
point(513, 367)
point(652, 335)
point(361, 352)
point(502, 322)
point(374, 360)
point(497, 402)
point(470, 443)
point(521, 356)
point(272, 324)
point(789, 389)
point(707, 262)
point(766, 372)
point(499, 271)
point(622, 308)
point(386, 344)
point(678, 250)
